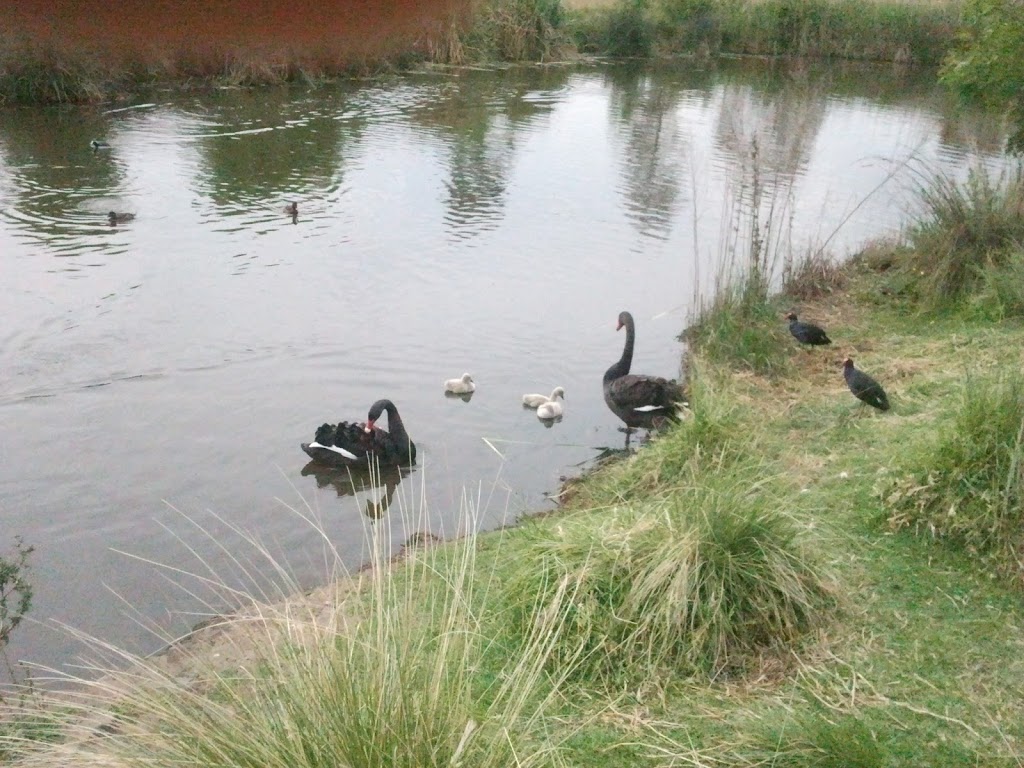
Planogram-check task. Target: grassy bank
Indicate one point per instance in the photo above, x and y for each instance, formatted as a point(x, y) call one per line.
point(783, 579)
point(78, 65)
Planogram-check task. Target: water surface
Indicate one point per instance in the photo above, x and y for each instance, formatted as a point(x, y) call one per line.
point(496, 222)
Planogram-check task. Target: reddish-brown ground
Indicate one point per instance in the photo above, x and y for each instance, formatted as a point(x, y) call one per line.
point(146, 31)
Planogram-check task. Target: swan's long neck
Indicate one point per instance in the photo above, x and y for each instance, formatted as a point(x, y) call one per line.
point(621, 368)
point(395, 426)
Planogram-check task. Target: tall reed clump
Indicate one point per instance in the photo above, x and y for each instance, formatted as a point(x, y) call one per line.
point(848, 29)
point(625, 29)
point(968, 485)
point(35, 74)
point(505, 30)
point(698, 582)
point(739, 325)
point(968, 243)
point(397, 669)
point(874, 30)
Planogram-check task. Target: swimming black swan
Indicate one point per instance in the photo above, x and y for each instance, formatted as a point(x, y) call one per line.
point(351, 444)
point(864, 388)
point(116, 218)
point(640, 401)
point(806, 333)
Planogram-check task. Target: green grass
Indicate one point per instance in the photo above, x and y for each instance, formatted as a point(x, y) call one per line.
point(967, 484)
point(699, 583)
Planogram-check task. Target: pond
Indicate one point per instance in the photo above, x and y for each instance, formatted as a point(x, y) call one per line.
point(158, 375)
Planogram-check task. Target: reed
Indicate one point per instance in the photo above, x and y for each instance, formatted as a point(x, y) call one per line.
point(504, 30)
point(871, 30)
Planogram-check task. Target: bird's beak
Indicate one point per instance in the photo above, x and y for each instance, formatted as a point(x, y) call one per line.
point(618, 326)
point(368, 428)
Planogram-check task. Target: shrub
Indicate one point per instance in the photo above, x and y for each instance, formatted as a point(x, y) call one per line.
point(15, 590)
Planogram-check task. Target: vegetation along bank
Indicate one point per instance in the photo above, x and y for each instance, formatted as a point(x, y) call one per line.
point(94, 51)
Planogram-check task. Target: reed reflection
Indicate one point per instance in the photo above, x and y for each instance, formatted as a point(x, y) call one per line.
point(482, 117)
point(645, 113)
point(378, 485)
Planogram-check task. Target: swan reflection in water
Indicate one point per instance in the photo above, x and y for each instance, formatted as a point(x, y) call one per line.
point(378, 484)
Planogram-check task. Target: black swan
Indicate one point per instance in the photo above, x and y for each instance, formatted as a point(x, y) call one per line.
point(351, 444)
point(864, 388)
point(116, 218)
point(806, 333)
point(640, 401)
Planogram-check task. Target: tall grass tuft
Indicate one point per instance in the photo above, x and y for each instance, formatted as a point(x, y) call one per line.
point(398, 668)
point(970, 237)
point(814, 276)
point(698, 582)
point(739, 325)
point(968, 486)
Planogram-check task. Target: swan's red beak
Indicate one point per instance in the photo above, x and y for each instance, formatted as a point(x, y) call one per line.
point(368, 428)
point(618, 326)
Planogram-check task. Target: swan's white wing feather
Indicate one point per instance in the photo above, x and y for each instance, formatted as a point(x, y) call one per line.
point(336, 449)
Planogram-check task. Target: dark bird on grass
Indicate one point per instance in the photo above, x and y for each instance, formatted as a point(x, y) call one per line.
point(119, 218)
point(864, 388)
point(352, 444)
point(640, 401)
point(807, 333)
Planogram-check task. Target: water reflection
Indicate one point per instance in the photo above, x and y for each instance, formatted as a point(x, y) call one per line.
point(63, 189)
point(268, 148)
point(482, 117)
point(379, 486)
point(645, 113)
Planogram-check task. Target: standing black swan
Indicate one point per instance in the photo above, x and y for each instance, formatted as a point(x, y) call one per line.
point(349, 444)
point(640, 401)
point(864, 388)
point(806, 333)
